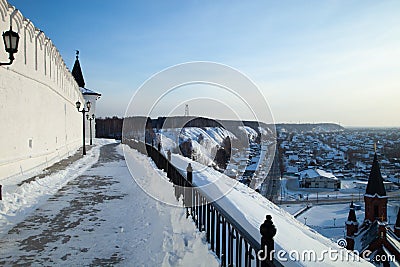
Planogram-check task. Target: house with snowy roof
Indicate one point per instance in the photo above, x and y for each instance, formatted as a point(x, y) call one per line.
point(291, 169)
point(374, 234)
point(317, 178)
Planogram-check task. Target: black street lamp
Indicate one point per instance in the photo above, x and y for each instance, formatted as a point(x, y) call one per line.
point(90, 118)
point(78, 106)
point(11, 40)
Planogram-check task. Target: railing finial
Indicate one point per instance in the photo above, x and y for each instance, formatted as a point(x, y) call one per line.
point(267, 231)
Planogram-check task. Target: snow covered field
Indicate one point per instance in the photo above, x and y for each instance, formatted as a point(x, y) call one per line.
point(329, 220)
point(93, 213)
point(292, 191)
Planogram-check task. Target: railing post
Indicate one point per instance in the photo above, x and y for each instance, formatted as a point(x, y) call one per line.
point(223, 255)
point(197, 209)
point(193, 206)
point(230, 245)
point(188, 200)
point(200, 215)
point(203, 209)
point(212, 229)
point(246, 254)
point(218, 234)
point(250, 256)
point(167, 168)
point(268, 231)
point(208, 223)
point(189, 171)
point(238, 250)
point(183, 188)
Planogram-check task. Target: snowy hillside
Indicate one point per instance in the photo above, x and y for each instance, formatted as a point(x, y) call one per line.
point(251, 133)
point(204, 141)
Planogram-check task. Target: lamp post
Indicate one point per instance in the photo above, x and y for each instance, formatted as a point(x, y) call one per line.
point(11, 40)
point(78, 106)
point(90, 118)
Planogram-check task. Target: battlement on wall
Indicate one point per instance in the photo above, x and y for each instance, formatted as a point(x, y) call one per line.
point(37, 56)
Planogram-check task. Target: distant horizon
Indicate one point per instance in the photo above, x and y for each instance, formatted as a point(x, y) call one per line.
point(294, 123)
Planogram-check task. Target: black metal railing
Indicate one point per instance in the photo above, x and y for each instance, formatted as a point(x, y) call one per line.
point(233, 244)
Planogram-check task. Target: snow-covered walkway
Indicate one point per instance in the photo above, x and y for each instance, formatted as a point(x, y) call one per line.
point(99, 217)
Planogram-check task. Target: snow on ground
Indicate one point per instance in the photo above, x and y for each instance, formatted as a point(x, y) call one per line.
point(21, 200)
point(249, 209)
point(292, 191)
point(184, 245)
point(293, 208)
point(98, 215)
point(329, 220)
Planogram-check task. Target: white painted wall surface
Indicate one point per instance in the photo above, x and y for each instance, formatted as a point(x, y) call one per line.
point(39, 121)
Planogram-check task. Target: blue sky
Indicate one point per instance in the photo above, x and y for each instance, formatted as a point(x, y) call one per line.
point(315, 61)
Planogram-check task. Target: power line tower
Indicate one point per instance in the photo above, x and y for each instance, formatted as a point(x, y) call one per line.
point(186, 110)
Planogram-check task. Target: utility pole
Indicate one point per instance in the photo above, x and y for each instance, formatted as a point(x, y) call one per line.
point(186, 110)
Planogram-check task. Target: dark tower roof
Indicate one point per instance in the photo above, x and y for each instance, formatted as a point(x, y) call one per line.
point(352, 214)
point(77, 72)
point(375, 180)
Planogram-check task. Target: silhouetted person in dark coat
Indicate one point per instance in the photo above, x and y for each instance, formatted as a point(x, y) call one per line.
point(267, 231)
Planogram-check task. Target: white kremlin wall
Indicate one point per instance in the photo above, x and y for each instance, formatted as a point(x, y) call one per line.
point(39, 121)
